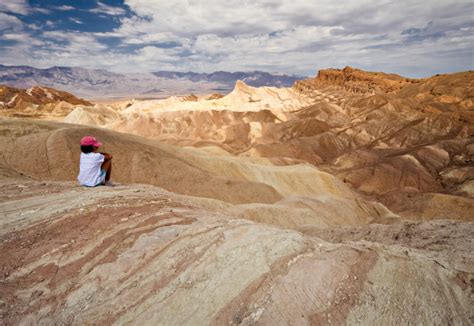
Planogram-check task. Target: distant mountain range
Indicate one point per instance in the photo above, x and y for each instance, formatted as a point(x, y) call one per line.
point(98, 83)
point(254, 78)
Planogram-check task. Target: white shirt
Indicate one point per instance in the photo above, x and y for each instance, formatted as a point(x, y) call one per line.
point(89, 169)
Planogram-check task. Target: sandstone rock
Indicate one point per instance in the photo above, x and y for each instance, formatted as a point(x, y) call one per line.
point(377, 132)
point(37, 101)
point(355, 81)
point(273, 210)
point(114, 255)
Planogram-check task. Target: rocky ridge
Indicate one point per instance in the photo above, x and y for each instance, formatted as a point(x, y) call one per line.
point(37, 101)
point(356, 81)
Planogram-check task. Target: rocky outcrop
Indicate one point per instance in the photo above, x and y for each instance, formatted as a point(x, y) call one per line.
point(355, 81)
point(36, 95)
point(37, 101)
point(138, 254)
point(233, 121)
point(214, 96)
point(447, 92)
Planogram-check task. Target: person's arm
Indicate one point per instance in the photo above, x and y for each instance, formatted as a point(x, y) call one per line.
point(107, 156)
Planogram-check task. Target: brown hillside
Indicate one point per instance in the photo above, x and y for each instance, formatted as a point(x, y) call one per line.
point(37, 101)
point(355, 81)
point(388, 137)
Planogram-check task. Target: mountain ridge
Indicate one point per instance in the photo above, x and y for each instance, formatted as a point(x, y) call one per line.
point(91, 83)
point(357, 81)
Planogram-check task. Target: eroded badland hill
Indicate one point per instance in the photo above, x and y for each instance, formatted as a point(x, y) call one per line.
point(346, 199)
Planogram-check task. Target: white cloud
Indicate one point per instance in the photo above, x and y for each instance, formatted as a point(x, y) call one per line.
point(34, 27)
point(57, 48)
point(64, 8)
point(41, 10)
point(15, 36)
point(50, 23)
point(21, 38)
point(152, 54)
point(9, 22)
point(293, 36)
point(74, 41)
point(102, 8)
point(15, 6)
point(20, 7)
point(75, 20)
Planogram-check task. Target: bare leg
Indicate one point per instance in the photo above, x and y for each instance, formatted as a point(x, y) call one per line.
point(107, 167)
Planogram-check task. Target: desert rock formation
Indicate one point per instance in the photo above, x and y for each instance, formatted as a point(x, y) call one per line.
point(356, 81)
point(345, 200)
point(253, 188)
point(391, 138)
point(139, 254)
point(38, 102)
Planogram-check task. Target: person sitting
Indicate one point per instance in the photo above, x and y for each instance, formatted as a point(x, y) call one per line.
point(95, 167)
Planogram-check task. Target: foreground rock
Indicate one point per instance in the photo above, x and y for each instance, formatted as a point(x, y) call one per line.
point(139, 254)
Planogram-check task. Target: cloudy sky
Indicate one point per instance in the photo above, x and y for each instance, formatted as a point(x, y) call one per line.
point(415, 38)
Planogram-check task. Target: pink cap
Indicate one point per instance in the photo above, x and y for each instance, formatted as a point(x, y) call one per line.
point(90, 141)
